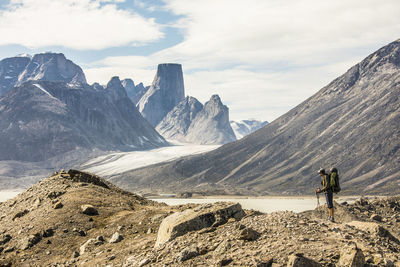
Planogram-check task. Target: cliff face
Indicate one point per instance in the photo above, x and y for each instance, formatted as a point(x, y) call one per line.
point(52, 67)
point(166, 91)
point(10, 69)
point(211, 125)
point(191, 122)
point(177, 122)
point(351, 124)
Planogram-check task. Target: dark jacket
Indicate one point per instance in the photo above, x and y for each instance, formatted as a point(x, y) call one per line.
point(326, 184)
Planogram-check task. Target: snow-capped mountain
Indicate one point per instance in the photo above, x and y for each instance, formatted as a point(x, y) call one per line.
point(41, 67)
point(48, 108)
point(42, 119)
point(246, 127)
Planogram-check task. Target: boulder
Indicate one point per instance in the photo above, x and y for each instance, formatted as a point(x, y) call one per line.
point(301, 261)
point(351, 257)
point(204, 216)
point(116, 237)
point(30, 241)
point(58, 205)
point(85, 247)
point(376, 217)
point(89, 210)
point(249, 234)
point(188, 253)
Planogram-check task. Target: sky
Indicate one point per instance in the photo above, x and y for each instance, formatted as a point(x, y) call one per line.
point(262, 57)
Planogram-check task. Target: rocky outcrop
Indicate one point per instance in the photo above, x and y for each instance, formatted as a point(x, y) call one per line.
point(246, 127)
point(196, 219)
point(373, 228)
point(177, 122)
point(121, 233)
point(166, 91)
point(351, 257)
point(211, 125)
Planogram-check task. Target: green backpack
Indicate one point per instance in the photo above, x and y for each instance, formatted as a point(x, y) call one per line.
point(334, 181)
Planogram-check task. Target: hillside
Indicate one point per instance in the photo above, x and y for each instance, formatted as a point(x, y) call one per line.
point(352, 123)
point(75, 218)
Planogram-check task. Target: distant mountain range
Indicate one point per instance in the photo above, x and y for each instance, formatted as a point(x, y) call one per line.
point(352, 123)
point(47, 110)
point(246, 127)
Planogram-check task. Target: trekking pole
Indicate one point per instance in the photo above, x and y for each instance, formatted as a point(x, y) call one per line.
point(317, 199)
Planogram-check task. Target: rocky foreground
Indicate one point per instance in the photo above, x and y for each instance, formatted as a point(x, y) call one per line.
point(79, 219)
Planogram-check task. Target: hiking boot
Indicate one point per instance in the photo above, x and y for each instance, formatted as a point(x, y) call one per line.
point(332, 219)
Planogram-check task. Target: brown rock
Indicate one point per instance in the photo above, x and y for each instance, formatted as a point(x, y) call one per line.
point(373, 228)
point(89, 210)
point(58, 205)
point(376, 217)
point(351, 257)
point(179, 223)
point(249, 234)
point(301, 261)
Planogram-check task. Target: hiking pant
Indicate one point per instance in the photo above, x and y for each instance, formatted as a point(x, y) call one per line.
point(329, 198)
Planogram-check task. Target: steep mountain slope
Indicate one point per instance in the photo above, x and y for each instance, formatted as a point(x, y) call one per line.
point(41, 119)
point(177, 122)
point(211, 125)
point(191, 122)
point(246, 127)
point(10, 69)
point(41, 67)
point(166, 91)
point(353, 123)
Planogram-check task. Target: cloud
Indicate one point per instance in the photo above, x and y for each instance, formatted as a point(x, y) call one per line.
point(265, 56)
point(76, 24)
point(291, 32)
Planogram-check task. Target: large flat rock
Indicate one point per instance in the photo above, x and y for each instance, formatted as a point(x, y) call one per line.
point(207, 215)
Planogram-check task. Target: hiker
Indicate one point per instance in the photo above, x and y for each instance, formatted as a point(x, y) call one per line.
point(327, 189)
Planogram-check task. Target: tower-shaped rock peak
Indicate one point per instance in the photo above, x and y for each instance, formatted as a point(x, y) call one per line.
point(166, 91)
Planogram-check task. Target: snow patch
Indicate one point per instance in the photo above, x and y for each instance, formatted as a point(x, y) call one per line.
point(44, 90)
point(116, 163)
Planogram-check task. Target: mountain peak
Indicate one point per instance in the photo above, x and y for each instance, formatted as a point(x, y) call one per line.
point(115, 89)
point(166, 91)
point(52, 67)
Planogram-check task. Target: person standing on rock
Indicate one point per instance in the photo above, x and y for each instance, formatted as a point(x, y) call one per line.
point(327, 189)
